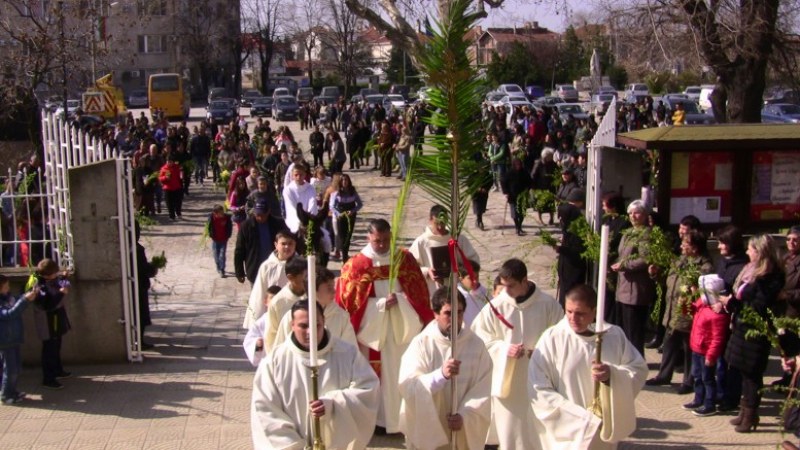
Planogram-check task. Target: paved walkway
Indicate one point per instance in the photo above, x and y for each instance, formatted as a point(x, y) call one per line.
point(193, 389)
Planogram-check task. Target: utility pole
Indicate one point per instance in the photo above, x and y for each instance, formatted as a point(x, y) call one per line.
point(63, 58)
point(93, 42)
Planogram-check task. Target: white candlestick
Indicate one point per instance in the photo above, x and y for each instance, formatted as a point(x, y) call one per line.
point(312, 309)
point(601, 279)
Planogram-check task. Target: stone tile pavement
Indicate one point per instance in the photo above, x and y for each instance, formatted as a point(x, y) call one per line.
point(193, 389)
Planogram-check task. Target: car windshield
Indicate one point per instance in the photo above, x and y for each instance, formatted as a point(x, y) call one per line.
point(512, 88)
point(789, 109)
point(690, 107)
point(374, 98)
point(260, 101)
point(692, 90)
point(570, 109)
point(285, 101)
point(219, 105)
point(139, 93)
point(567, 88)
point(395, 98)
point(494, 97)
point(252, 94)
point(605, 98)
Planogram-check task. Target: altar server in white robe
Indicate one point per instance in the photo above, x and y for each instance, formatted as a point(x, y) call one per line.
point(563, 374)
point(436, 234)
point(429, 367)
point(510, 327)
point(271, 272)
point(295, 290)
point(282, 409)
point(337, 321)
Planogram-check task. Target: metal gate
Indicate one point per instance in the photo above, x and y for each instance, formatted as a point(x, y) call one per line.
point(606, 136)
point(65, 148)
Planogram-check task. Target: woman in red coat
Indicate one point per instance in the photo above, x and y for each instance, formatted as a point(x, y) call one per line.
point(171, 179)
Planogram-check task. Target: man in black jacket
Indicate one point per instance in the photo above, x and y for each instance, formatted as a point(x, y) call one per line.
point(571, 267)
point(255, 241)
point(317, 141)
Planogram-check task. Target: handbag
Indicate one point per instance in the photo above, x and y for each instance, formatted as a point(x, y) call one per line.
point(791, 410)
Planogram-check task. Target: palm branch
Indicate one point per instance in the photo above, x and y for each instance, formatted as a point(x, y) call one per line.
point(452, 173)
point(454, 170)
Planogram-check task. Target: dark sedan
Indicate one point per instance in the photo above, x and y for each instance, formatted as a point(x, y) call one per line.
point(221, 111)
point(780, 113)
point(285, 108)
point(261, 107)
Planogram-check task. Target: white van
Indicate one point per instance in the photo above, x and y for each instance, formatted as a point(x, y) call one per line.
point(637, 89)
point(705, 97)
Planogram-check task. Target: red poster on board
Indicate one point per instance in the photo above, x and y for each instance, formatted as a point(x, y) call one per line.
point(697, 180)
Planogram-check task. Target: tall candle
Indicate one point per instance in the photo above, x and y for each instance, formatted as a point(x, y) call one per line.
point(601, 279)
point(312, 308)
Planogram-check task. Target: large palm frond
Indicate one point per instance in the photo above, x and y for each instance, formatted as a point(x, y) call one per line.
point(454, 171)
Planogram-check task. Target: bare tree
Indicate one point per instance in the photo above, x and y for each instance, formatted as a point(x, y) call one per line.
point(396, 18)
point(309, 20)
point(343, 37)
point(264, 23)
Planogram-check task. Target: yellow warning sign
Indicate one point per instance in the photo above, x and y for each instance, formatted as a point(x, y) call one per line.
point(93, 102)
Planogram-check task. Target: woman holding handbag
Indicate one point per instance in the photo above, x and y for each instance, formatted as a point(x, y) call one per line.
point(756, 289)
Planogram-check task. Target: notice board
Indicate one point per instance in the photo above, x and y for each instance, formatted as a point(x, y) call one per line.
point(701, 185)
point(775, 192)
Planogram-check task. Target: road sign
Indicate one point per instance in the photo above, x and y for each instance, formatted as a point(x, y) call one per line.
point(93, 102)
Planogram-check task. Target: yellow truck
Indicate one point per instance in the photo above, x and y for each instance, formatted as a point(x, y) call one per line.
point(104, 99)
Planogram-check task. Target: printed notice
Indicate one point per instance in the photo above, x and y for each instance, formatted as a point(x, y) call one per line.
point(707, 209)
point(785, 188)
point(762, 184)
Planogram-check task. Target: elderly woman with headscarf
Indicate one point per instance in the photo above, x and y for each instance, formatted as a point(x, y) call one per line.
point(636, 291)
point(542, 178)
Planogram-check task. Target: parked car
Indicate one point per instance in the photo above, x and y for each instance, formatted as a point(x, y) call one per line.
point(675, 96)
point(634, 99)
point(285, 108)
point(547, 101)
point(783, 96)
point(693, 92)
point(571, 109)
point(373, 99)
point(534, 92)
point(566, 92)
point(600, 102)
point(511, 89)
point(693, 114)
point(53, 102)
point(72, 106)
point(137, 98)
point(607, 90)
point(365, 92)
point(705, 97)
point(357, 99)
point(395, 101)
point(330, 91)
point(320, 99)
point(637, 89)
point(215, 93)
point(249, 95)
point(281, 92)
point(509, 102)
point(261, 107)
point(305, 95)
point(780, 113)
point(422, 94)
point(400, 89)
point(221, 110)
point(493, 98)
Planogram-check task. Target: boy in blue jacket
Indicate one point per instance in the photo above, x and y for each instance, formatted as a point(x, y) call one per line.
point(11, 336)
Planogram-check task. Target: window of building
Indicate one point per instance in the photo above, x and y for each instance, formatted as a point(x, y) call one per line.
point(150, 43)
point(152, 7)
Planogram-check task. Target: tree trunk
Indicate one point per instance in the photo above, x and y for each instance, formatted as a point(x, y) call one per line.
point(746, 90)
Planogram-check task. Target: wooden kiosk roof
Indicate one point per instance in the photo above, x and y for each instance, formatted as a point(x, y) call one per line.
point(714, 137)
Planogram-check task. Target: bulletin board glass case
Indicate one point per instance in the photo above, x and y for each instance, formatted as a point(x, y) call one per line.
point(775, 186)
point(701, 185)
